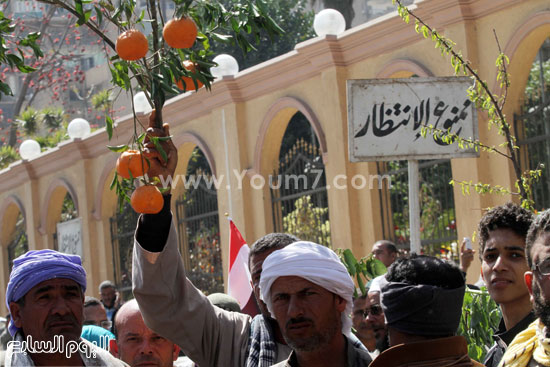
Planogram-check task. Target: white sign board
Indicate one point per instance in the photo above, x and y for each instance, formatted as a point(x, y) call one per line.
point(69, 237)
point(385, 117)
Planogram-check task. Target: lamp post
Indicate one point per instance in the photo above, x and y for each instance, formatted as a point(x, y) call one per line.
point(329, 21)
point(78, 128)
point(227, 65)
point(29, 149)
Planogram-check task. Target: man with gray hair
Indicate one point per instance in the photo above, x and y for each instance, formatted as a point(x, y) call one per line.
point(309, 292)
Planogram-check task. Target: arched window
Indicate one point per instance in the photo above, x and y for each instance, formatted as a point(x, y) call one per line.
point(198, 226)
point(298, 186)
point(533, 125)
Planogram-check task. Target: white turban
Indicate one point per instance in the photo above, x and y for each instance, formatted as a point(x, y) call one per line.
point(315, 263)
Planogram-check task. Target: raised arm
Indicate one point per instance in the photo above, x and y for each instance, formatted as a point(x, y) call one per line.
point(170, 304)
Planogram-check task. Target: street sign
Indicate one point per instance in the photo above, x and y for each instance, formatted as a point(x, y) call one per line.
point(385, 118)
point(69, 237)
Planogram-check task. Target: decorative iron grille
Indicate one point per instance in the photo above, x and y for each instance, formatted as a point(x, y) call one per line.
point(19, 243)
point(437, 211)
point(198, 226)
point(123, 226)
point(299, 199)
point(532, 127)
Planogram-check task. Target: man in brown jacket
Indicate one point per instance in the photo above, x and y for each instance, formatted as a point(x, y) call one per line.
point(422, 300)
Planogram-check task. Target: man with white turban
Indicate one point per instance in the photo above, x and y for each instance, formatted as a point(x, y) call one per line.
point(309, 292)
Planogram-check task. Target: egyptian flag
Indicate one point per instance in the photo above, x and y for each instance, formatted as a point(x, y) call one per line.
point(239, 285)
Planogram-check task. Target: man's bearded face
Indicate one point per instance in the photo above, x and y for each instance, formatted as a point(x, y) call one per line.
point(541, 305)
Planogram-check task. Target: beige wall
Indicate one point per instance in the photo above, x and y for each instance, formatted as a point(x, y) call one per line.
point(256, 106)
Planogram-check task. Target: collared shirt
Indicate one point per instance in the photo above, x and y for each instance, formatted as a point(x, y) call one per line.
point(504, 337)
point(357, 357)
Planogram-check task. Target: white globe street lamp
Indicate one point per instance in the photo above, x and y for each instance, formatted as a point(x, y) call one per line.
point(227, 65)
point(329, 21)
point(78, 128)
point(29, 149)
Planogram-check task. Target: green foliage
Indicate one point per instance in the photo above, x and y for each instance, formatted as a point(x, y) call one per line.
point(47, 126)
point(8, 155)
point(480, 317)
point(363, 270)
point(68, 209)
point(52, 139)
point(205, 259)
point(307, 222)
point(15, 58)
point(290, 15)
point(102, 100)
point(241, 22)
point(29, 120)
point(533, 92)
point(483, 98)
point(52, 117)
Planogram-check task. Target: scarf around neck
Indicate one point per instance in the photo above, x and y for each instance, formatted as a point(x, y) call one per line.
point(531, 342)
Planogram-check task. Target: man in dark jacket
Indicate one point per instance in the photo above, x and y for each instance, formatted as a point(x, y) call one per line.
point(422, 301)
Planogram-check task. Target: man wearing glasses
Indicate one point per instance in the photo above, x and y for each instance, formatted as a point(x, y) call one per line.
point(502, 232)
point(368, 322)
point(95, 314)
point(531, 347)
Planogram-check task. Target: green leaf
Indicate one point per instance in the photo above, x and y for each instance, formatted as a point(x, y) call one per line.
point(361, 284)
point(118, 148)
point(114, 181)
point(109, 126)
point(378, 266)
point(141, 138)
point(351, 261)
point(5, 88)
point(99, 15)
point(159, 148)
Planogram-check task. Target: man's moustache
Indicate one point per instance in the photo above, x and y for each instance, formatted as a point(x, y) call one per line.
point(298, 321)
point(56, 318)
point(146, 358)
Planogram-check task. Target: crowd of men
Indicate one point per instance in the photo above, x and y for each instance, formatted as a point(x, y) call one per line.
point(308, 316)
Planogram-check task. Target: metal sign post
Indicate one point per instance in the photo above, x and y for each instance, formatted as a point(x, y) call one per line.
point(414, 206)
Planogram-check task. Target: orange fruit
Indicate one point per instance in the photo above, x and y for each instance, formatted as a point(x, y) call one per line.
point(180, 33)
point(186, 80)
point(147, 200)
point(131, 45)
point(129, 163)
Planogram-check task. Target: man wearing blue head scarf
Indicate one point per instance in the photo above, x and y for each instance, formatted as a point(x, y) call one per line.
point(45, 296)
